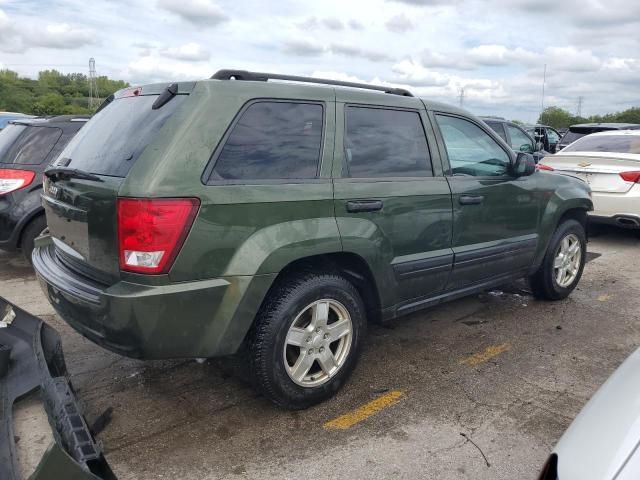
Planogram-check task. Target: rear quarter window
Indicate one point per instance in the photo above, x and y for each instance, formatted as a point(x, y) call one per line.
point(272, 140)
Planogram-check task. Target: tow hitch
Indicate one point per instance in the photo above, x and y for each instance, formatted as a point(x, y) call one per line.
point(31, 362)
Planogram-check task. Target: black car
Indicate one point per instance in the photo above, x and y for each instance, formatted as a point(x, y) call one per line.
point(577, 131)
point(515, 136)
point(26, 148)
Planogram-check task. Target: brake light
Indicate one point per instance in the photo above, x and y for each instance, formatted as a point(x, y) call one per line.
point(131, 92)
point(633, 177)
point(543, 167)
point(12, 180)
point(151, 231)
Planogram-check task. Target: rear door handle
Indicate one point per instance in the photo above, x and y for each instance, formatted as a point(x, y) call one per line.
point(357, 206)
point(471, 199)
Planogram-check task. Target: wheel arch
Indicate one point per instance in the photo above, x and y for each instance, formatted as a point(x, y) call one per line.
point(556, 214)
point(350, 265)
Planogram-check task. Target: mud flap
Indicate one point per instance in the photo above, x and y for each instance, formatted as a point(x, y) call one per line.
point(31, 361)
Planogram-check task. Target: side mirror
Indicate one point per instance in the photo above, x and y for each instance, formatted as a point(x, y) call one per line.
point(524, 165)
point(526, 148)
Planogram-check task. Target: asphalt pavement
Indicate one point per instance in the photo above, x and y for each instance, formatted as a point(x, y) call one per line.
point(480, 388)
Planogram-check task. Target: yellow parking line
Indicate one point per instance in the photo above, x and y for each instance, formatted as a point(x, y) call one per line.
point(485, 355)
point(348, 420)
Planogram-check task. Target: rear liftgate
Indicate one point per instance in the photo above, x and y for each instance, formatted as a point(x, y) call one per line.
point(32, 364)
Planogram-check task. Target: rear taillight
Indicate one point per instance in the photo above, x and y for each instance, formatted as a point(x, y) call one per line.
point(543, 167)
point(633, 177)
point(151, 231)
point(12, 180)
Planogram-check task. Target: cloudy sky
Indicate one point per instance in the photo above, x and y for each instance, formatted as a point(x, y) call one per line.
point(495, 50)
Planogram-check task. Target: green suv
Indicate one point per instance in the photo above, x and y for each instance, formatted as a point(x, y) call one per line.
point(239, 214)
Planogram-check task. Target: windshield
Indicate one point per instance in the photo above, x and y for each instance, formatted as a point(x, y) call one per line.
point(111, 142)
point(606, 143)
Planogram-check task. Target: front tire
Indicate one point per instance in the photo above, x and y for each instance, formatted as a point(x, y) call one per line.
point(562, 266)
point(306, 339)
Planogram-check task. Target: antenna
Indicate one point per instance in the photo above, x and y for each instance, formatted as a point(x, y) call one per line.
point(579, 110)
point(461, 97)
point(94, 98)
point(544, 80)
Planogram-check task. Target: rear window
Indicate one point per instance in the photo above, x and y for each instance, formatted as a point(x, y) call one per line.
point(571, 137)
point(272, 140)
point(111, 142)
point(27, 145)
point(607, 143)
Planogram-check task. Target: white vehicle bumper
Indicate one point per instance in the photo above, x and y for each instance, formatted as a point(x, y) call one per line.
point(622, 209)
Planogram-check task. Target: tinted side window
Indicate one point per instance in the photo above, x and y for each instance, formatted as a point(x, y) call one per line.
point(385, 143)
point(272, 140)
point(33, 146)
point(470, 149)
point(498, 128)
point(520, 141)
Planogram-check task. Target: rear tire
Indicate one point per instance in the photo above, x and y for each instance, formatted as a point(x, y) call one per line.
point(306, 339)
point(32, 231)
point(563, 263)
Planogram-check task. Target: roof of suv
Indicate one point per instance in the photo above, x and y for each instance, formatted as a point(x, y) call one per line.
point(361, 90)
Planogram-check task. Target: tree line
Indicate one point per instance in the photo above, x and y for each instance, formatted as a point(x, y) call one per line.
point(559, 118)
point(53, 93)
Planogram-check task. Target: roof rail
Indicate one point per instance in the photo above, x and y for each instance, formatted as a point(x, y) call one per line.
point(263, 77)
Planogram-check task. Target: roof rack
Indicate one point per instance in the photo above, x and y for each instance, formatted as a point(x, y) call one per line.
point(263, 77)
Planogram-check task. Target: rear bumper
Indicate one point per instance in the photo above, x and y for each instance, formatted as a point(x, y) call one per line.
point(205, 318)
point(622, 209)
point(31, 360)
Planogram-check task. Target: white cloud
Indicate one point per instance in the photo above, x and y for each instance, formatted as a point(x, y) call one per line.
point(199, 12)
point(399, 24)
point(18, 38)
point(62, 36)
point(156, 69)
point(189, 52)
point(303, 47)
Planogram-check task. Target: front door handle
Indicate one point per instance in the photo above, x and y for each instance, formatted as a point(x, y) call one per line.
point(357, 206)
point(471, 199)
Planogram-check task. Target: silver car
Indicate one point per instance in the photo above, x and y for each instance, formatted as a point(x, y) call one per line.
point(610, 163)
point(603, 442)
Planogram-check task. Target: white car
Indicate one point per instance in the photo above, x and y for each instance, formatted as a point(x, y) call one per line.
point(610, 163)
point(603, 442)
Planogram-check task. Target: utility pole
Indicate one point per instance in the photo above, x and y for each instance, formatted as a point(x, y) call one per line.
point(544, 80)
point(461, 97)
point(579, 111)
point(94, 98)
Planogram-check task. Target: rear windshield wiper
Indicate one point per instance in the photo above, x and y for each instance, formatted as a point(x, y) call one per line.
point(62, 172)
